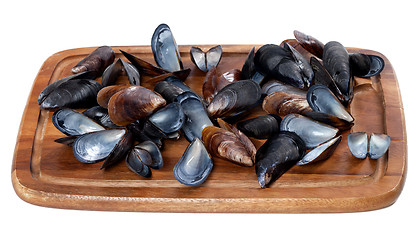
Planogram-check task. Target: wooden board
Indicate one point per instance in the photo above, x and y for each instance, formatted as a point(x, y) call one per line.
point(46, 173)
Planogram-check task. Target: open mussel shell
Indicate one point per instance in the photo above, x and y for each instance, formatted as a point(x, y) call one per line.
point(98, 146)
point(234, 98)
point(312, 132)
point(76, 93)
point(100, 115)
point(321, 99)
point(320, 153)
point(309, 43)
point(71, 122)
point(321, 76)
point(364, 65)
point(97, 61)
point(336, 61)
point(379, 144)
point(358, 144)
point(261, 127)
point(155, 153)
point(206, 60)
point(214, 83)
point(119, 68)
point(226, 145)
point(249, 70)
point(165, 50)
point(137, 161)
point(194, 165)
point(277, 155)
point(133, 103)
point(167, 120)
point(196, 116)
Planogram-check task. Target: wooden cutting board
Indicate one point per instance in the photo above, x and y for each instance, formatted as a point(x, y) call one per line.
point(46, 173)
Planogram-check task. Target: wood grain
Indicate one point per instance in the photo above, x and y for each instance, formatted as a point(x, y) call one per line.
point(46, 173)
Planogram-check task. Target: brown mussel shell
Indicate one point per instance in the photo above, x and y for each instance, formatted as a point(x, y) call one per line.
point(214, 83)
point(226, 145)
point(283, 103)
point(309, 43)
point(97, 61)
point(133, 103)
point(106, 93)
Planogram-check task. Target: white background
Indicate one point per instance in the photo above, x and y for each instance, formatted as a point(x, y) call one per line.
point(31, 31)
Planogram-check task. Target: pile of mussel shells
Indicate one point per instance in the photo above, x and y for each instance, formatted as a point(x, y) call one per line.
point(306, 102)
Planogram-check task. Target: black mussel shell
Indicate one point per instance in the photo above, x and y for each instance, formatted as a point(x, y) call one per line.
point(321, 76)
point(302, 64)
point(261, 127)
point(337, 63)
point(206, 60)
point(71, 122)
point(77, 93)
point(168, 90)
point(364, 65)
point(118, 68)
point(165, 50)
point(137, 161)
point(100, 115)
point(154, 151)
point(51, 87)
point(194, 165)
point(277, 155)
point(234, 98)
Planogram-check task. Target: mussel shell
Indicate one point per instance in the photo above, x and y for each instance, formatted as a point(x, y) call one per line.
point(302, 64)
point(71, 122)
point(136, 161)
point(312, 132)
point(51, 87)
point(96, 146)
point(214, 83)
point(116, 69)
point(133, 103)
point(284, 103)
point(336, 61)
point(278, 86)
point(321, 76)
point(309, 43)
point(165, 50)
point(320, 153)
point(168, 90)
point(277, 155)
point(76, 93)
point(104, 95)
point(379, 144)
point(358, 144)
point(206, 60)
point(97, 61)
point(261, 127)
point(194, 165)
point(226, 145)
point(155, 153)
point(168, 119)
point(234, 98)
point(196, 116)
point(321, 99)
point(364, 65)
point(120, 151)
point(100, 115)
